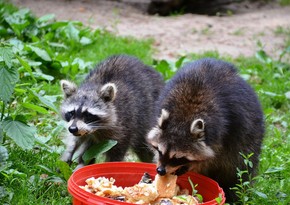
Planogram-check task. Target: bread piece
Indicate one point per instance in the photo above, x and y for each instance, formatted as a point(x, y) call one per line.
point(166, 185)
point(141, 193)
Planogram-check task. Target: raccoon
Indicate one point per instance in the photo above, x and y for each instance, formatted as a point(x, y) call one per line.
point(116, 101)
point(208, 115)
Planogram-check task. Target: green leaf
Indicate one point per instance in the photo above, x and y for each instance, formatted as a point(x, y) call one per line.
point(1, 134)
point(164, 67)
point(40, 52)
point(219, 199)
point(287, 95)
point(6, 55)
point(85, 41)
point(281, 195)
point(34, 63)
point(260, 194)
point(4, 193)
point(98, 149)
point(200, 197)
point(43, 139)
point(262, 56)
point(180, 62)
point(26, 66)
point(35, 108)
point(46, 18)
point(45, 169)
point(21, 133)
point(72, 32)
point(274, 170)
point(43, 76)
point(15, 173)
point(57, 45)
point(64, 169)
point(46, 101)
point(8, 79)
point(181, 197)
point(58, 24)
point(81, 64)
point(3, 157)
point(192, 186)
point(18, 21)
point(3, 31)
point(17, 46)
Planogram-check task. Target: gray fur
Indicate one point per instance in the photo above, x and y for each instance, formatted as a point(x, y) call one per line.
point(122, 92)
point(211, 115)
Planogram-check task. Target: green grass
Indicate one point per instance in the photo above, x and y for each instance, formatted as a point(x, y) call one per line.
point(284, 2)
point(29, 172)
point(238, 32)
point(39, 183)
point(107, 44)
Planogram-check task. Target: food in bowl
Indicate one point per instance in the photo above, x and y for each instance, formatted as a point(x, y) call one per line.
point(162, 191)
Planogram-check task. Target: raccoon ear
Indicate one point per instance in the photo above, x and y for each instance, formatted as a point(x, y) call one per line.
point(152, 136)
point(163, 117)
point(197, 126)
point(108, 92)
point(68, 88)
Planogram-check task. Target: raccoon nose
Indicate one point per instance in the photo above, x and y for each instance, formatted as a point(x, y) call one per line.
point(161, 170)
point(73, 129)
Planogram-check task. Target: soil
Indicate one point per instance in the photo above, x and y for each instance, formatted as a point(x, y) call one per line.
point(234, 34)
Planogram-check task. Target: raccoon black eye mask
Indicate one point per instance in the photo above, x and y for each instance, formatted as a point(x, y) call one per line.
point(182, 164)
point(88, 117)
point(91, 118)
point(69, 115)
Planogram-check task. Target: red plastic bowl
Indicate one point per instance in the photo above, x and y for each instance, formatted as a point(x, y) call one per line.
point(128, 174)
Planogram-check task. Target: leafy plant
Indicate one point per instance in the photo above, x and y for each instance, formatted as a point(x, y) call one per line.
point(244, 190)
point(194, 190)
point(168, 68)
point(12, 125)
point(96, 151)
point(35, 53)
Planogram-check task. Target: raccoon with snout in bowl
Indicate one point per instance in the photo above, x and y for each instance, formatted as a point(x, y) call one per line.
point(115, 101)
point(208, 115)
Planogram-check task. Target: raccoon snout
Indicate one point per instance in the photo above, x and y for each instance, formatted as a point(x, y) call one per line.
point(161, 170)
point(73, 129)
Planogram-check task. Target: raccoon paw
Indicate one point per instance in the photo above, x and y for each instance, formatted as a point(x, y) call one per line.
point(79, 166)
point(66, 157)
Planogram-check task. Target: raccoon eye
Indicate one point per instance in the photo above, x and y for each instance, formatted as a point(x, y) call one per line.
point(69, 115)
point(88, 117)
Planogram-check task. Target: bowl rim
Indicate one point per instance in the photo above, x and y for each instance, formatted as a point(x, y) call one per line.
point(90, 198)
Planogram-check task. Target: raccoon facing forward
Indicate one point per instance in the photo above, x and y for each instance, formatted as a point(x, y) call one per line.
point(116, 101)
point(208, 115)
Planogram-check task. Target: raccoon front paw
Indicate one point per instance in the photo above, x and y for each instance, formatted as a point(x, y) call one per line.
point(79, 166)
point(66, 157)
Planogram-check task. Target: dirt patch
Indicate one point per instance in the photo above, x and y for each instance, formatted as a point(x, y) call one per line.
point(176, 35)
